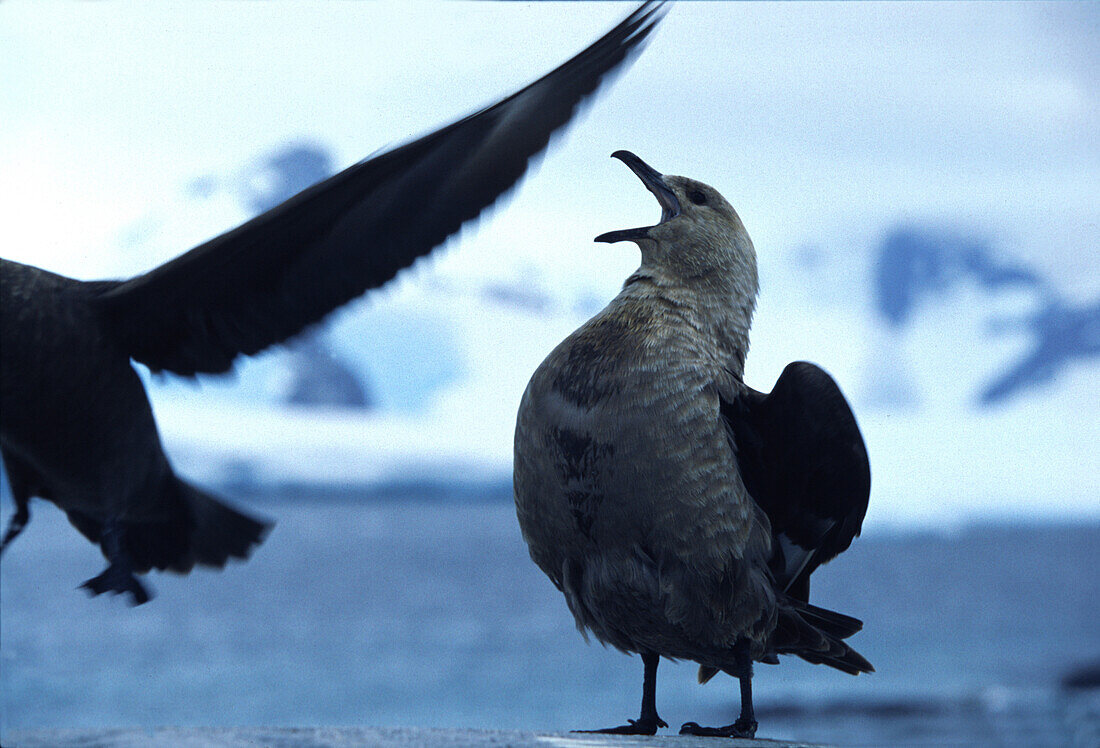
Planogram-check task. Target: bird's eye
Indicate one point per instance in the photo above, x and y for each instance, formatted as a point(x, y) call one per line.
point(697, 197)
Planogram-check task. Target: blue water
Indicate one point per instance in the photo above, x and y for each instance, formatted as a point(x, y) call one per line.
point(426, 610)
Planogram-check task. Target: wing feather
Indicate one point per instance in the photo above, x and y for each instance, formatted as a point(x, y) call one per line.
point(803, 460)
point(266, 280)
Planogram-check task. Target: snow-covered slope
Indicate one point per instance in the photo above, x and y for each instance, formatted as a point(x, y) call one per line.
point(922, 198)
point(451, 346)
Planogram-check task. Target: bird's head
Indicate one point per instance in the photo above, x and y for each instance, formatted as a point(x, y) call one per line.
point(699, 238)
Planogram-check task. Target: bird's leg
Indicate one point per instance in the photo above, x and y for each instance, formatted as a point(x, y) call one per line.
point(118, 577)
point(18, 520)
point(648, 722)
point(745, 726)
point(746, 721)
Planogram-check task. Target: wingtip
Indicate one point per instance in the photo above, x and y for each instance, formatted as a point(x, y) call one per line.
point(643, 20)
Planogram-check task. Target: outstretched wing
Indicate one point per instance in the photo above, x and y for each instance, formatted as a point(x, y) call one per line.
point(803, 461)
point(287, 268)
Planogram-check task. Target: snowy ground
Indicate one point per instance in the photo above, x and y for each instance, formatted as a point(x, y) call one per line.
point(339, 737)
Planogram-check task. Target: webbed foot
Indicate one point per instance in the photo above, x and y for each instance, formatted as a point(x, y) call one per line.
point(633, 727)
point(739, 729)
point(118, 580)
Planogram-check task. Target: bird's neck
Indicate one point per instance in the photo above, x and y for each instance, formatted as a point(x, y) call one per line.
point(726, 320)
point(719, 311)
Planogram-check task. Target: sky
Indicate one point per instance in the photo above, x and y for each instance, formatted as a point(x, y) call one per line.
point(823, 124)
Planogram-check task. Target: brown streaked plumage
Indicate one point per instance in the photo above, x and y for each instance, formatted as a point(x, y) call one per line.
point(77, 428)
point(679, 511)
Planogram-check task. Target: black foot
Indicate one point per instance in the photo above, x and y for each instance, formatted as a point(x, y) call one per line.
point(739, 729)
point(117, 580)
point(635, 727)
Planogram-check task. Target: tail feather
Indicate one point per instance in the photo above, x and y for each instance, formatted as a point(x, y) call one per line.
point(706, 672)
point(220, 532)
point(199, 530)
point(812, 633)
point(816, 635)
point(830, 622)
point(849, 661)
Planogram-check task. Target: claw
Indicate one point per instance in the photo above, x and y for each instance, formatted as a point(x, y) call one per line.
point(117, 580)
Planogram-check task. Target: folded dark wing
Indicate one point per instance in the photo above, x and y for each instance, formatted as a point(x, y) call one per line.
point(287, 268)
point(802, 459)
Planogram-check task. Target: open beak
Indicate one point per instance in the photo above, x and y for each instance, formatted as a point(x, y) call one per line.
point(655, 183)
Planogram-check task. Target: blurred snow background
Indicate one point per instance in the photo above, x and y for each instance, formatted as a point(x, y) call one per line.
point(920, 183)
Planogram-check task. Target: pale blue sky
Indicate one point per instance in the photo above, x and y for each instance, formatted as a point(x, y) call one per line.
point(804, 114)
